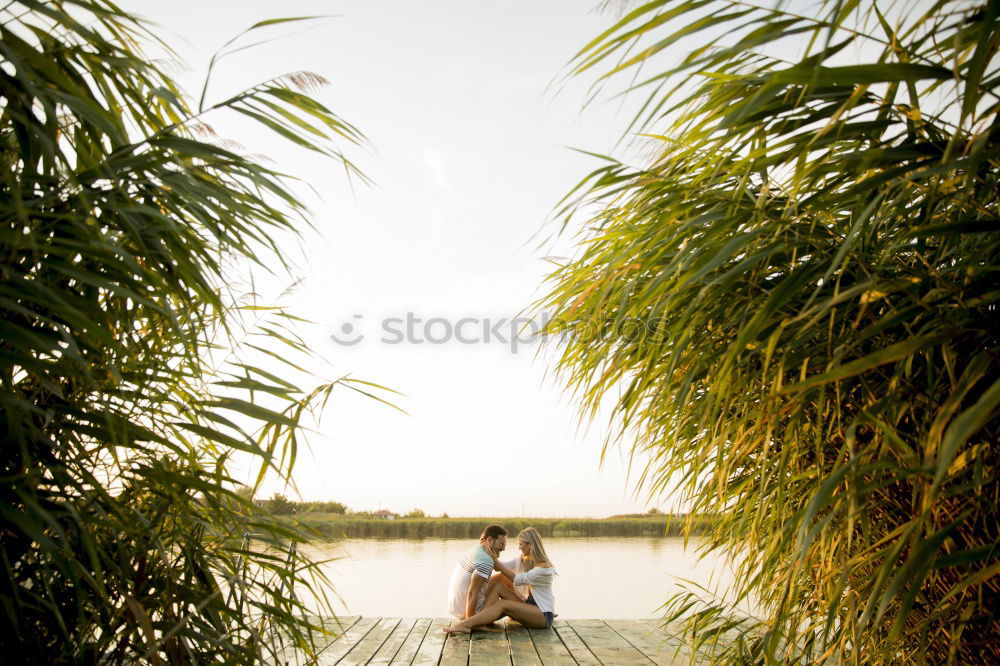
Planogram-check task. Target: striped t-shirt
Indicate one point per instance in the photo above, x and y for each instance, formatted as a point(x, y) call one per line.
point(475, 561)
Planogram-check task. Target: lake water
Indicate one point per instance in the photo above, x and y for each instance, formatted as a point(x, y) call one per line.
point(598, 577)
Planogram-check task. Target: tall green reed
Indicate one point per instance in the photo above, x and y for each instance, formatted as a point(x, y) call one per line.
point(789, 298)
point(126, 381)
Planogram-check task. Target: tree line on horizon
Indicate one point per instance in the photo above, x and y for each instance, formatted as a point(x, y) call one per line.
point(335, 526)
point(280, 505)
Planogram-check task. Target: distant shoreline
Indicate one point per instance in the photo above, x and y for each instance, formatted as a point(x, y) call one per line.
point(336, 526)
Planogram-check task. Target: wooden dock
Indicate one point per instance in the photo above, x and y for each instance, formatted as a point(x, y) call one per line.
point(420, 642)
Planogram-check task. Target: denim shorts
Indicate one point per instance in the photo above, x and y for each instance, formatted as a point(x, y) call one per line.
point(549, 615)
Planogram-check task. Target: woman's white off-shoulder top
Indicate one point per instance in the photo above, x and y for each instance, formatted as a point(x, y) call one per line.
point(540, 580)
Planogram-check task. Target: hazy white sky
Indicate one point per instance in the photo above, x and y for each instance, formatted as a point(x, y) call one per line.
point(469, 156)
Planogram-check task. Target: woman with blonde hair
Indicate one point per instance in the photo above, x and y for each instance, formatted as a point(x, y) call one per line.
point(531, 572)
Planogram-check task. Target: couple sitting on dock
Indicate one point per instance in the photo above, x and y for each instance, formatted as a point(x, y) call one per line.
point(484, 588)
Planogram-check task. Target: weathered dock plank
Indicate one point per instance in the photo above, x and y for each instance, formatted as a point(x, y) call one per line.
point(367, 647)
point(605, 643)
point(387, 652)
point(456, 650)
point(407, 651)
point(340, 647)
point(652, 642)
point(429, 653)
point(581, 653)
point(551, 649)
point(378, 641)
point(685, 653)
point(522, 648)
point(489, 648)
point(335, 626)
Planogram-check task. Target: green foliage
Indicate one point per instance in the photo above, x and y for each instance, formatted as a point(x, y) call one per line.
point(320, 507)
point(124, 381)
point(245, 493)
point(793, 305)
point(416, 513)
point(279, 505)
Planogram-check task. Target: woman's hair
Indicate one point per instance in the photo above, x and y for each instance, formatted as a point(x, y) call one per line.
point(534, 539)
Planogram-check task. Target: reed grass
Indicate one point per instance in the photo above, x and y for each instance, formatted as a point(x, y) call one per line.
point(132, 367)
point(339, 526)
point(789, 297)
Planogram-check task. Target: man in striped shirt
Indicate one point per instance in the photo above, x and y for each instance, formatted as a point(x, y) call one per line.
point(469, 578)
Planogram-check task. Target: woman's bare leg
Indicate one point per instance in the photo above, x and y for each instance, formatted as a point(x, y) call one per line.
point(526, 614)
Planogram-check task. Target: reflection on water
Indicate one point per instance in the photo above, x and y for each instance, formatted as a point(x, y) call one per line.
point(603, 577)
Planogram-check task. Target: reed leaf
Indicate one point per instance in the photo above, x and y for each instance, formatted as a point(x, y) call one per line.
point(131, 372)
point(804, 344)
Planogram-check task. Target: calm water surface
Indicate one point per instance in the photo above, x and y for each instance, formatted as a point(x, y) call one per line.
point(598, 577)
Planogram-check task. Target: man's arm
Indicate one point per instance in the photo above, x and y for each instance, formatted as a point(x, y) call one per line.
point(472, 597)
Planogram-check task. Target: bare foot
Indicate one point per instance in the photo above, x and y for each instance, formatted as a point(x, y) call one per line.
point(455, 630)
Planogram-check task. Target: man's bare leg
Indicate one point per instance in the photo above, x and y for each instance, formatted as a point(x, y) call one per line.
point(526, 614)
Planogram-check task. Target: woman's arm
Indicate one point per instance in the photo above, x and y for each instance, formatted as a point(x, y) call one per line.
point(502, 568)
point(533, 576)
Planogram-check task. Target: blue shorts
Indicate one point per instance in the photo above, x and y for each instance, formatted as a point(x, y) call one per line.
point(549, 615)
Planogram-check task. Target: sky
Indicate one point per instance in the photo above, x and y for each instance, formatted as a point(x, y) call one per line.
point(471, 148)
point(475, 134)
